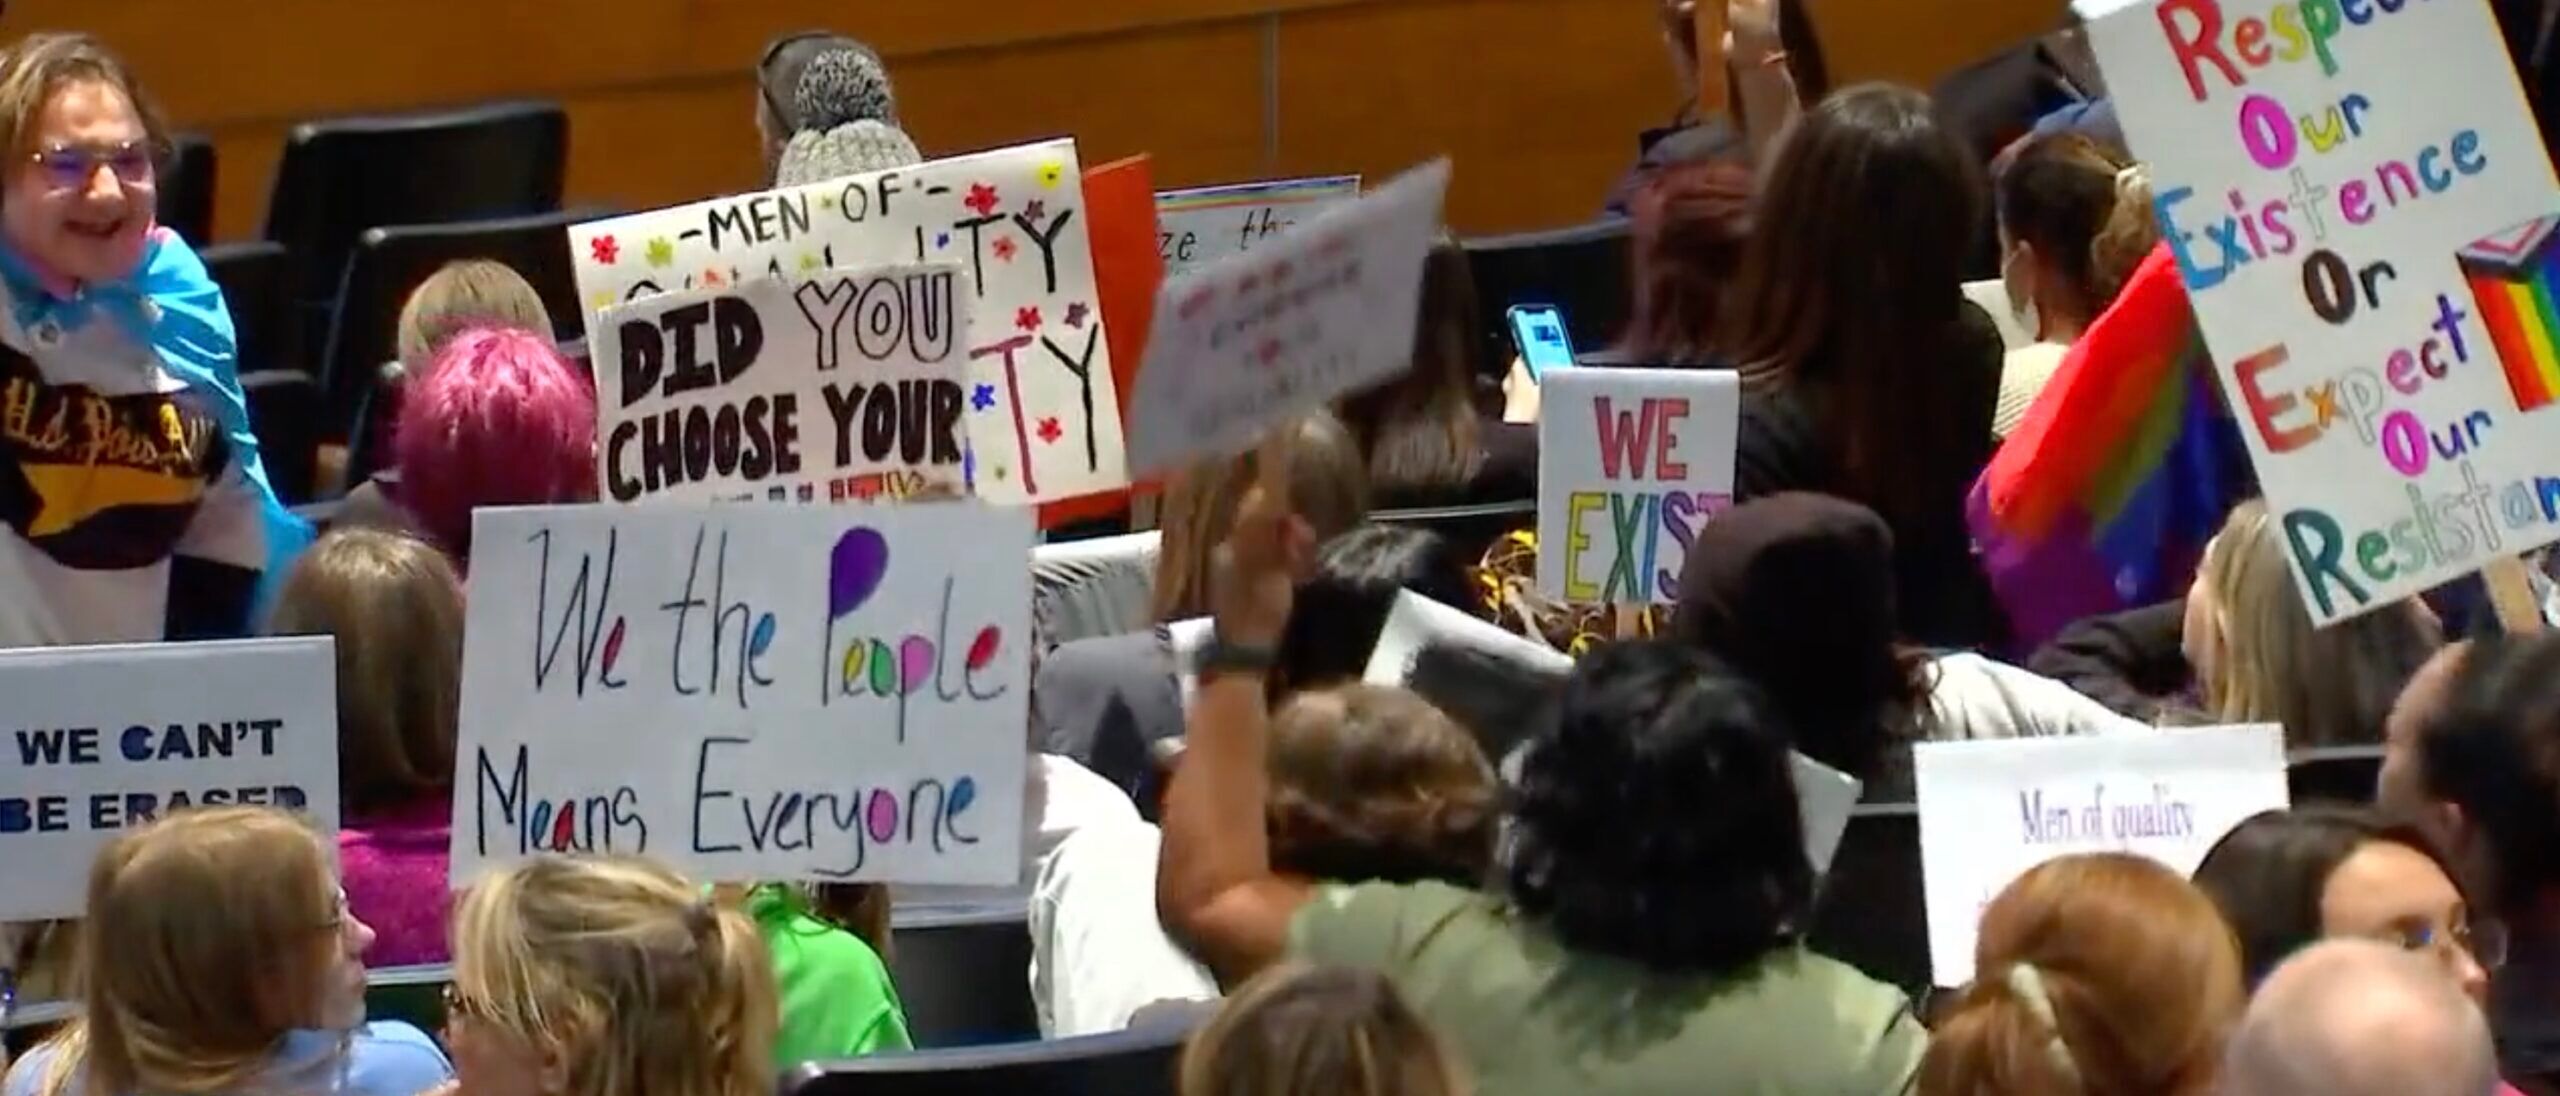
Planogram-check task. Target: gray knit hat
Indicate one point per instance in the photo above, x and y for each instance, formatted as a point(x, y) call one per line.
point(840, 85)
point(859, 146)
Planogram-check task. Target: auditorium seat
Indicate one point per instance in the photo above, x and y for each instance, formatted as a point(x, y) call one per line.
point(341, 176)
point(184, 189)
point(964, 973)
point(1871, 911)
point(27, 1023)
point(284, 412)
point(2335, 774)
point(410, 995)
point(1127, 1063)
point(1468, 529)
point(1098, 586)
point(252, 277)
point(1581, 270)
point(387, 262)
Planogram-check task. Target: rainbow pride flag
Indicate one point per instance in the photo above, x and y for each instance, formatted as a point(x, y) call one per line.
point(2511, 275)
point(2104, 496)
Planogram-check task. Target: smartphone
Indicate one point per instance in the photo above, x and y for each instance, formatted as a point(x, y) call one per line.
point(1537, 331)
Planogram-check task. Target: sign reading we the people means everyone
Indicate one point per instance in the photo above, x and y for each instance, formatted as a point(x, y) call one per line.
point(1255, 340)
point(2361, 209)
point(749, 691)
point(103, 738)
point(1990, 810)
point(1631, 462)
point(1043, 413)
point(843, 385)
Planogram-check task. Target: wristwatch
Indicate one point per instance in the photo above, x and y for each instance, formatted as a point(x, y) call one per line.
point(1218, 658)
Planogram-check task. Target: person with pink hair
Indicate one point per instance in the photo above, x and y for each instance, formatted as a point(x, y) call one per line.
point(500, 418)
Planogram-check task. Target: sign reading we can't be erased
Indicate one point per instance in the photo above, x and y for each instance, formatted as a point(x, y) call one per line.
point(749, 692)
point(2362, 211)
point(1042, 408)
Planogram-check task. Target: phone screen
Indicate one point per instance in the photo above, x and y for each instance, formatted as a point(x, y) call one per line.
point(1537, 330)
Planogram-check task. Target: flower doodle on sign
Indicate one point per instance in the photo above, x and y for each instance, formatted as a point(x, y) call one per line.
point(660, 251)
point(1052, 174)
point(604, 249)
point(1049, 429)
point(1027, 318)
point(1004, 248)
point(983, 397)
point(981, 200)
point(1076, 314)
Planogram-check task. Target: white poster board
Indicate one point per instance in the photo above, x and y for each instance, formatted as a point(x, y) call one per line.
point(1258, 339)
point(1630, 463)
point(102, 738)
point(749, 692)
point(1198, 225)
point(1991, 809)
point(1041, 398)
point(2360, 208)
point(843, 385)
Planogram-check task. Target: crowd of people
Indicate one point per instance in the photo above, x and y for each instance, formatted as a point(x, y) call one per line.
point(1496, 879)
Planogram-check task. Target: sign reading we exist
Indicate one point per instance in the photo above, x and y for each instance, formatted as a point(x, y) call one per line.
point(1255, 340)
point(841, 385)
point(1990, 810)
point(1042, 409)
point(748, 692)
point(2367, 241)
point(1202, 224)
point(102, 738)
point(1630, 463)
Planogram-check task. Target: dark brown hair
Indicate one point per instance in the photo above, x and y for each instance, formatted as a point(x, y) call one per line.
point(1690, 224)
point(2268, 874)
point(394, 606)
point(1850, 290)
point(1418, 431)
point(1372, 783)
point(2055, 193)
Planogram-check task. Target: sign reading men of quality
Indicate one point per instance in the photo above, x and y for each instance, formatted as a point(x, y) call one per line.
point(1990, 810)
point(1631, 462)
point(748, 692)
point(1207, 223)
point(1255, 340)
point(1041, 407)
point(102, 738)
point(843, 385)
point(2361, 208)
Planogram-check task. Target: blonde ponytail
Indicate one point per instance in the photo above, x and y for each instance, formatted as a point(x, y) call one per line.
point(2130, 232)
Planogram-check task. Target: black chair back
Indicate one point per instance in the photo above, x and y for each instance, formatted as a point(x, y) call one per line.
point(1581, 270)
point(2334, 774)
point(252, 277)
point(284, 411)
point(185, 189)
point(963, 974)
point(388, 262)
point(1872, 912)
point(1468, 529)
point(1128, 1063)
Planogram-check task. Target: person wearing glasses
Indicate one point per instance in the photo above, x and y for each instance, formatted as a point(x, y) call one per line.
point(217, 957)
point(133, 503)
point(2286, 879)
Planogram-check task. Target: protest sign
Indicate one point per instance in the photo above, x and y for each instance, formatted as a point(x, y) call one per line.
point(102, 738)
point(1990, 810)
point(1630, 463)
point(2366, 242)
point(748, 692)
point(840, 385)
point(1261, 338)
point(1042, 406)
point(1203, 224)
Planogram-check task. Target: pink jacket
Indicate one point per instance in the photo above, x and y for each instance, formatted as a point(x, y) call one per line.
point(393, 866)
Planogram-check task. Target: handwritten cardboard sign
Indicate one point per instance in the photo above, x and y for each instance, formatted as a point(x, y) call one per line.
point(1260, 338)
point(102, 738)
point(841, 385)
point(2368, 246)
point(748, 692)
point(1990, 810)
point(1203, 224)
point(1042, 408)
point(1630, 463)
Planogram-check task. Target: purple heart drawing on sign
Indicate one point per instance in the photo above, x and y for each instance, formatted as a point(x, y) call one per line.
point(854, 570)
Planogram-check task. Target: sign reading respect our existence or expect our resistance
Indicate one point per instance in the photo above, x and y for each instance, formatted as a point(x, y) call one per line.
point(2363, 214)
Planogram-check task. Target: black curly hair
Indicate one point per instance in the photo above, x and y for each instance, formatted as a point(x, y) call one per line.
point(1655, 817)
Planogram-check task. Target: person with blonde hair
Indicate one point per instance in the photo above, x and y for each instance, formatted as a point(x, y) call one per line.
point(1304, 1029)
point(394, 607)
point(217, 956)
point(2102, 973)
point(2074, 217)
point(607, 976)
point(462, 295)
point(2242, 647)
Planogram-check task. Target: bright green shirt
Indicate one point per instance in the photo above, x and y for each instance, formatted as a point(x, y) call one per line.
point(1534, 1019)
point(837, 1000)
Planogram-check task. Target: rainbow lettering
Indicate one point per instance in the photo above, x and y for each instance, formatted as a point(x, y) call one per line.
point(2511, 275)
